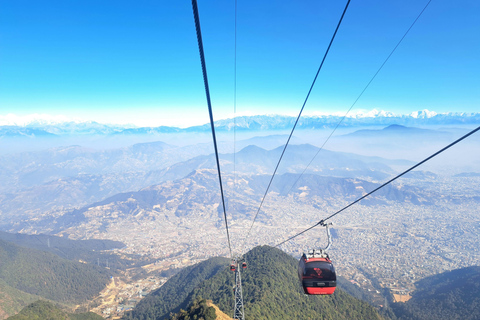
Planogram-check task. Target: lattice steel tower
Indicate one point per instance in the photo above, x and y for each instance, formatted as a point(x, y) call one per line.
point(238, 312)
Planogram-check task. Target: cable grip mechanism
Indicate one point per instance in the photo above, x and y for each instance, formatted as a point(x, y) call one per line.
point(329, 235)
point(322, 253)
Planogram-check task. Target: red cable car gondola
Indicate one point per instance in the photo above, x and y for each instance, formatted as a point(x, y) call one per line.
point(244, 265)
point(232, 267)
point(316, 272)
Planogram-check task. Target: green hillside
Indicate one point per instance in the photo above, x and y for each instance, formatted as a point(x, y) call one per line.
point(44, 310)
point(43, 241)
point(198, 309)
point(449, 295)
point(47, 275)
point(91, 251)
point(13, 300)
point(270, 286)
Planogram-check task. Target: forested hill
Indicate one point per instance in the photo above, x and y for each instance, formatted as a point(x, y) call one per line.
point(45, 274)
point(450, 295)
point(43, 310)
point(44, 242)
point(13, 300)
point(270, 290)
point(91, 251)
point(199, 309)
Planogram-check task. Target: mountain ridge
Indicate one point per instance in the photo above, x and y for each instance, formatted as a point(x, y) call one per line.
point(251, 123)
point(193, 197)
point(71, 177)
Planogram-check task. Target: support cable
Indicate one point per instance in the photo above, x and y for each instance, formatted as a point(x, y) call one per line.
point(299, 115)
point(322, 222)
point(359, 96)
point(235, 110)
point(207, 92)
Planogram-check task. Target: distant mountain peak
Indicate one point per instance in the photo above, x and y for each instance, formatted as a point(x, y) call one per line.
point(251, 148)
point(423, 114)
point(395, 127)
point(373, 114)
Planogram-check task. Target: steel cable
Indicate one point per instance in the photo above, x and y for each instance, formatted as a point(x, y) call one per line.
point(210, 112)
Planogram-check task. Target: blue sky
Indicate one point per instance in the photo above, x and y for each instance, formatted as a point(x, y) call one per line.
point(125, 62)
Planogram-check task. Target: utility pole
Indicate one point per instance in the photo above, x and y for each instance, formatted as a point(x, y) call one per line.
point(238, 312)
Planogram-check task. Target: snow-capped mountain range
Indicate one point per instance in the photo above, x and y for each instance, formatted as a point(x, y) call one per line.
point(44, 125)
